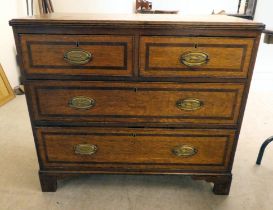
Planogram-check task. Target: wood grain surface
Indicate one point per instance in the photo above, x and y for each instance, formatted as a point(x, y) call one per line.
point(136, 102)
point(150, 147)
point(44, 54)
point(227, 57)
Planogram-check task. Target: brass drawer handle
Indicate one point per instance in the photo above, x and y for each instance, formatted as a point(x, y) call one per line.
point(77, 56)
point(192, 59)
point(184, 151)
point(85, 149)
point(82, 102)
point(189, 104)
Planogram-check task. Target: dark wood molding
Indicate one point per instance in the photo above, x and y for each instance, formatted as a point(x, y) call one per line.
point(134, 21)
point(222, 183)
point(48, 182)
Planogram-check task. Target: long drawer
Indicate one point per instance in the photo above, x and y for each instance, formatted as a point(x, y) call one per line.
point(135, 148)
point(116, 102)
point(195, 56)
point(73, 55)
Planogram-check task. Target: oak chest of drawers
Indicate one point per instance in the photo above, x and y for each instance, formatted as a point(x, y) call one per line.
point(136, 94)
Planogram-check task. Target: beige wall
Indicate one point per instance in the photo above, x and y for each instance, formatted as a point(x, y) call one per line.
point(263, 73)
point(9, 9)
point(127, 6)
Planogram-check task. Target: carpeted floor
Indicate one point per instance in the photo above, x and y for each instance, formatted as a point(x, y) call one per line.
point(252, 186)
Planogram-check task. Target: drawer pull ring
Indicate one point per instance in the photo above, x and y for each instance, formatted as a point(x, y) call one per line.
point(192, 59)
point(184, 151)
point(85, 149)
point(77, 56)
point(189, 104)
point(82, 102)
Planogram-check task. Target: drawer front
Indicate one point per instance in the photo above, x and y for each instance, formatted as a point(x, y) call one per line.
point(136, 148)
point(195, 57)
point(116, 102)
point(77, 55)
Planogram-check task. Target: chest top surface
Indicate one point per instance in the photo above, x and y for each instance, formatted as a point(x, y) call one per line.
point(130, 20)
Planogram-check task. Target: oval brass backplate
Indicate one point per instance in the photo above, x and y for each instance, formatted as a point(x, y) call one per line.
point(81, 102)
point(85, 149)
point(189, 104)
point(77, 56)
point(193, 59)
point(184, 151)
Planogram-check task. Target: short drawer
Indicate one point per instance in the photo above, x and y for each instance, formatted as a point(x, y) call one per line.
point(96, 55)
point(136, 148)
point(195, 56)
point(118, 102)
